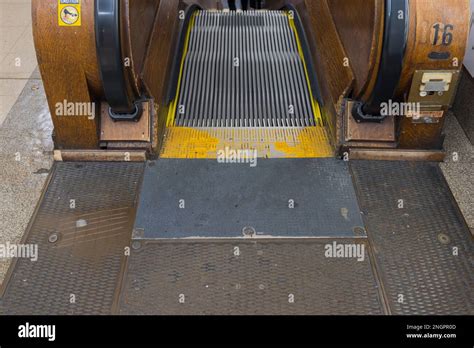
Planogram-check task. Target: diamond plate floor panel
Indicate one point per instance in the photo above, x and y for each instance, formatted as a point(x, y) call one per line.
point(419, 261)
point(245, 277)
point(423, 248)
point(81, 228)
point(187, 198)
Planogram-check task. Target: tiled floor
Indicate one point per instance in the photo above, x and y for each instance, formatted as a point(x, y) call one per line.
point(17, 53)
point(25, 124)
point(458, 167)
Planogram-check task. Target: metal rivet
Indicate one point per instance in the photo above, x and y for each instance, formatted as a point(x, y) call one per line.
point(359, 231)
point(53, 238)
point(248, 231)
point(443, 238)
point(81, 223)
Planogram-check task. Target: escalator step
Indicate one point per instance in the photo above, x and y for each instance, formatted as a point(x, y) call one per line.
point(243, 69)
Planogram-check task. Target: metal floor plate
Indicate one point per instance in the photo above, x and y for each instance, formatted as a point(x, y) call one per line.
point(185, 198)
point(423, 248)
point(417, 258)
point(88, 208)
point(246, 277)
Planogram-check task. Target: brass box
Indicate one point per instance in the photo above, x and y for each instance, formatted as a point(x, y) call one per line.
point(434, 88)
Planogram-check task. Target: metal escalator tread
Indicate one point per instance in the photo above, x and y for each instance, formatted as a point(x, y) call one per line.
point(243, 69)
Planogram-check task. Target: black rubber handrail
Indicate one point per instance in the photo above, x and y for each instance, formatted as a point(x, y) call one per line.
point(124, 104)
point(312, 74)
point(391, 63)
point(175, 69)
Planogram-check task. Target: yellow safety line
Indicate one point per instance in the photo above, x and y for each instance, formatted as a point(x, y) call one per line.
point(315, 105)
point(304, 142)
point(172, 109)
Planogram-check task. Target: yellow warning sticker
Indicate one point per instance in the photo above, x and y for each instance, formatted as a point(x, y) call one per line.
point(69, 13)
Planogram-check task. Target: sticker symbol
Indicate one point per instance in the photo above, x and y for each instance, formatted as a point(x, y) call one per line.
point(69, 15)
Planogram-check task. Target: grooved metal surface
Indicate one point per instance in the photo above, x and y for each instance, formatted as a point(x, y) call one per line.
point(185, 198)
point(247, 277)
point(424, 250)
point(89, 207)
point(269, 142)
point(243, 69)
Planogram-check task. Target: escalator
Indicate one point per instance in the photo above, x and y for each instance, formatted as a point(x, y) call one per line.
point(245, 198)
point(243, 84)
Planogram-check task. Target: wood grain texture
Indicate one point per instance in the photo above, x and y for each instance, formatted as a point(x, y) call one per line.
point(205, 4)
point(68, 64)
point(100, 155)
point(137, 22)
point(354, 131)
point(397, 155)
point(424, 14)
point(360, 27)
point(157, 66)
point(142, 15)
point(421, 136)
point(336, 29)
point(125, 131)
point(163, 40)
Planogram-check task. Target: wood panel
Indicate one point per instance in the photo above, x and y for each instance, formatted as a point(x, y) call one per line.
point(161, 48)
point(206, 4)
point(125, 131)
point(421, 136)
point(397, 155)
point(424, 14)
point(360, 27)
point(373, 131)
point(100, 155)
point(142, 15)
point(68, 64)
point(138, 19)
